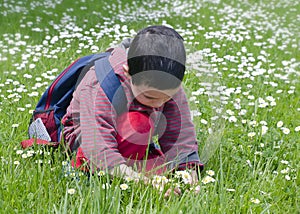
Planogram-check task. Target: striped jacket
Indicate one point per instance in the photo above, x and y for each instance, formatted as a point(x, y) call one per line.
point(90, 122)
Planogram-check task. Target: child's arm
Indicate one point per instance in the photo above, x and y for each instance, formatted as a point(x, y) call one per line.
point(178, 142)
point(97, 126)
point(127, 172)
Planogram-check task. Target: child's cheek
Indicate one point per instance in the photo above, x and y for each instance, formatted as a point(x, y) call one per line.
point(142, 100)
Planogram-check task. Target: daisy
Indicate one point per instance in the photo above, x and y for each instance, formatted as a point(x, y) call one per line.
point(285, 130)
point(71, 191)
point(208, 179)
point(279, 124)
point(210, 172)
point(255, 200)
point(124, 186)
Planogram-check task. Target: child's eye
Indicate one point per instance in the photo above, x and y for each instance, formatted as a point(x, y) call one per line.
point(150, 98)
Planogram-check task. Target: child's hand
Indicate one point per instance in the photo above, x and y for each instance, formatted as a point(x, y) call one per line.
point(195, 181)
point(194, 177)
point(176, 191)
point(129, 174)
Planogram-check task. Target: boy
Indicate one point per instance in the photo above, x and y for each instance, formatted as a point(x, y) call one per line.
point(150, 74)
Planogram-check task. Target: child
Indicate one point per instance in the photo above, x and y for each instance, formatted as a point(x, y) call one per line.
point(151, 74)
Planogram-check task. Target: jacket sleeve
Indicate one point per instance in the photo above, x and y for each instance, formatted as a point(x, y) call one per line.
point(97, 124)
point(178, 140)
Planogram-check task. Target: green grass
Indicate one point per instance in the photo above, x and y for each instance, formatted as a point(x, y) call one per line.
point(263, 167)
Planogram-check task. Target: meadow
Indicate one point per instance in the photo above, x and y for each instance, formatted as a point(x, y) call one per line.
point(243, 83)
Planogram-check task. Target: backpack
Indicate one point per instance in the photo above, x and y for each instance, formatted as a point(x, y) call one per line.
point(45, 125)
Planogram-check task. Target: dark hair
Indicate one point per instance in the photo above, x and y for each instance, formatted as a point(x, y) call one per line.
point(160, 51)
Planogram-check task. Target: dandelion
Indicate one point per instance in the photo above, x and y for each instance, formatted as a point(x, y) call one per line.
point(255, 200)
point(71, 191)
point(210, 172)
point(279, 124)
point(124, 186)
point(285, 130)
point(207, 179)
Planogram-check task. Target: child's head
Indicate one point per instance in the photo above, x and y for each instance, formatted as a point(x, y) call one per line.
point(156, 61)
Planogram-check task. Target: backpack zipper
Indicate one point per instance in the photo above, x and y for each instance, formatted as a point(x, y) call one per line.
point(51, 88)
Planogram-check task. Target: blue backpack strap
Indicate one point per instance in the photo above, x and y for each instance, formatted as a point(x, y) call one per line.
point(110, 84)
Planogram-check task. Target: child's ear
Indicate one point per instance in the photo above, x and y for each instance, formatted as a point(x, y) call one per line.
point(126, 70)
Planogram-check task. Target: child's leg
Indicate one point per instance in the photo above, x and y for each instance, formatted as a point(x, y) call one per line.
point(134, 135)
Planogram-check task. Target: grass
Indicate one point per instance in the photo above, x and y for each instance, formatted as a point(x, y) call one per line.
point(243, 76)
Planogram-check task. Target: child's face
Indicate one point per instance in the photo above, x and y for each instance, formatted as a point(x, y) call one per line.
point(152, 97)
